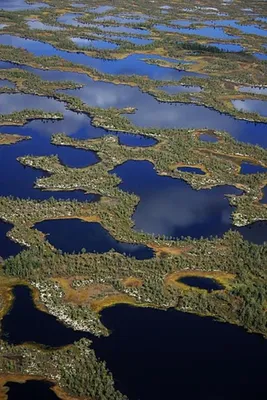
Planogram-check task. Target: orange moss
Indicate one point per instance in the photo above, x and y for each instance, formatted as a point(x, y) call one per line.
point(109, 301)
point(171, 250)
point(132, 282)
point(83, 295)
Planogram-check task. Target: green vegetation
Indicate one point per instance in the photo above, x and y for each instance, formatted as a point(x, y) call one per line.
point(76, 287)
point(87, 377)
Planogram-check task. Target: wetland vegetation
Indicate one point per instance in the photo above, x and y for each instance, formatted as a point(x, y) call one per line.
point(133, 199)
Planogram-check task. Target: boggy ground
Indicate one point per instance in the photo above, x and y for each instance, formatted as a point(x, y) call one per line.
point(76, 287)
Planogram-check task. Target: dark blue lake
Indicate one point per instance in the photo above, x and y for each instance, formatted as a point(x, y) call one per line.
point(204, 347)
point(247, 168)
point(232, 47)
point(205, 137)
point(150, 112)
point(98, 44)
point(171, 207)
point(191, 170)
point(201, 282)
point(18, 180)
point(73, 235)
point(253, 106)
point(7, 246)
point(16, 5)
point(31, 390)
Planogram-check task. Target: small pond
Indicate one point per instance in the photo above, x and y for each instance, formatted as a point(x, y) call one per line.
point(30, 390)
point(260, 56)
point(201, 282)
point(213, 33)
point(6, 83)
point(205, 137)
point(100, 9)
point(192, 170)
point(253, 106)
point(17, 5)
point(99, 44)
point(123, 19)
point(34, 24)
point(231, 47)
point(135, 40)
point(70, 19)
point(119, 29)
point(253, 89)
point(264, 197)
point(247, 168)
point(180, 89)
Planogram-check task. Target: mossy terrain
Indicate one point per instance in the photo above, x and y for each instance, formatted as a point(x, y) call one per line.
point(76, 287)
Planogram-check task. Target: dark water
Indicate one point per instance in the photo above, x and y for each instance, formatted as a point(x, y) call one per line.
point(253, 89)
point(213, 33)
point(192, 170)
point(135, 40)
point(180, 89)
point(130, 65)
point(201, 283)
point(171, 207)
point(100, 9)
point(215, 29)
point(124, 18)
point(119, 29)
point(6, 83)
point(260, 56)
point(150, 113)
point(247, 29)
point(15, 5)
point(257, 106)
point(255, 232)
point(31, 390)
point(264, 198)
point(105, 95)
point(98, 44)
point(35, 325)
point(247, 168)
point(7, 246)
point(151, 353)
point(74, 124)
point(232, 47)
point(72, 235)
point(205, 137)
point(157, 355)
point(35, 24)
point(18, 180)
point(179, 115)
